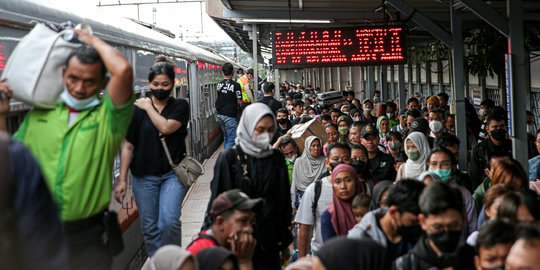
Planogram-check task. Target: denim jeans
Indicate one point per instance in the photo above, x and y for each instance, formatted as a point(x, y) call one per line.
point(228, 126)
point(159, 200)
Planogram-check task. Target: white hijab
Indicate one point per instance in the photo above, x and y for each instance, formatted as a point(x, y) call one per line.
point(251, 115)
point(413, 168)
point(308, 168)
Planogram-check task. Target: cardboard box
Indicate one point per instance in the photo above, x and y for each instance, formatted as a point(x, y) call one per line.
point(300, 132)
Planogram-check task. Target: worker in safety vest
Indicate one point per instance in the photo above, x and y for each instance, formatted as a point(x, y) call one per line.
point(247, 87)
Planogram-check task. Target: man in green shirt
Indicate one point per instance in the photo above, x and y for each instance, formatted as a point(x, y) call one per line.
point(75, 144)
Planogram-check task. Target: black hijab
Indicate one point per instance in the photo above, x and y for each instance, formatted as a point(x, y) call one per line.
point(213, 258)
point(352, 254)
point(378, 190)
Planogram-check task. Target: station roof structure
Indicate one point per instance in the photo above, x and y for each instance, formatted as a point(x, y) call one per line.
point(232, 15)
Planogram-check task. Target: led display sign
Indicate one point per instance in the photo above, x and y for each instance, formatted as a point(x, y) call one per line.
point(351, 46)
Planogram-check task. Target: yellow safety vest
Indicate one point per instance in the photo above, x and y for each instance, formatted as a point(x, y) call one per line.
point(245, 84)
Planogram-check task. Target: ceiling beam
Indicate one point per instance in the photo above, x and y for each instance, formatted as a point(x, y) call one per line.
point(488, 14)
point(423, 21)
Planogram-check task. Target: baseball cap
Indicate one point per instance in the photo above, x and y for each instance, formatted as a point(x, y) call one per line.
point(402, 112)
point(233, 199)
point(369, 130)
point(420, 124)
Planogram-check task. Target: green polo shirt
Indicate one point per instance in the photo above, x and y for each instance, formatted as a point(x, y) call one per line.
point(77, 160)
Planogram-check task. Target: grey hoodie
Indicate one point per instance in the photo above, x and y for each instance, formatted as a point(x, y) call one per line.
point(368, 227)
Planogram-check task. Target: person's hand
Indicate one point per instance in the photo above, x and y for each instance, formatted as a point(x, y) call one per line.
point(120, 191)
point(143, 103)
point(84, 35)
point(5, 96)
point(243, 244)
point(285, 255)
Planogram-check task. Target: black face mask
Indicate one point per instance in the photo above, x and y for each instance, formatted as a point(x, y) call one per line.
point(446, 241)
point(359, 166)
point(410, 232)
point(282, 121)
point(498, 134)
point(333, 165)
point(161, 94)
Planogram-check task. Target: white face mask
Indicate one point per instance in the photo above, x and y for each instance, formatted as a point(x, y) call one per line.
point(356, 119)
point(79, 104)
point(292, 159)
point(530, 128)
point(289, 107)
point(262, 140)
point(435, 126)
point(390, 115)
point(481, 112)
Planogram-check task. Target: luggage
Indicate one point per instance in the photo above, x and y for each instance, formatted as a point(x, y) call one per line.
point(34, 69)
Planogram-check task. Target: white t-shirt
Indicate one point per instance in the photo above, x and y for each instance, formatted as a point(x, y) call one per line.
point(304, 215)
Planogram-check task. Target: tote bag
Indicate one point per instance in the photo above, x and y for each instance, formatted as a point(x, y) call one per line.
point(34, 69)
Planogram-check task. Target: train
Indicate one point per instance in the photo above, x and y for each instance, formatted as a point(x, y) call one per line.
point(197, 73)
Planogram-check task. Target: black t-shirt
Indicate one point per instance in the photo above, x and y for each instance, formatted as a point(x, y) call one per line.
point(148, 156)
point(273, 103)
point(382, 167)
point(228, 92)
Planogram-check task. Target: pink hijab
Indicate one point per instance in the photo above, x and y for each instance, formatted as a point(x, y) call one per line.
point(341, 212)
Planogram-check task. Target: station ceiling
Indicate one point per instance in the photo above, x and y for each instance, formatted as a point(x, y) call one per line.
point(229, 15)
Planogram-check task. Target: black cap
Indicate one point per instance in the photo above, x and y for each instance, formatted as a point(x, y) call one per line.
point(402, 112)
point(369, 130)
point(232, 200)
point(420, 124)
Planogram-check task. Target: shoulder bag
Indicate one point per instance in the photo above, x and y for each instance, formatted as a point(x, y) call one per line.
point(188, 170)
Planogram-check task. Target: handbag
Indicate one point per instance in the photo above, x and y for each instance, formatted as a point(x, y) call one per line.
point(188, 170)
point(34, 69)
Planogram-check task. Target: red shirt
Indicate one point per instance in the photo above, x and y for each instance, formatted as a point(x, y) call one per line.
point(203, 241)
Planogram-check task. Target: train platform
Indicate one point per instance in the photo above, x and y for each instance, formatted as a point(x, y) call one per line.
point(196, 201)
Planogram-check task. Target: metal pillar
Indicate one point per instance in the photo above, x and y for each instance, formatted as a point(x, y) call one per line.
point(255, 77)
point(440, 75)
point(401, 85)
point(330, 78)
point(276, 82)
point(370, 82)
point(458, 91)
point(339, 78)
point(350, 77)
point(383, 82)
point(428, 78)
point(418, 79)
point(392, 82)
point(409, 78)
point(517, 79)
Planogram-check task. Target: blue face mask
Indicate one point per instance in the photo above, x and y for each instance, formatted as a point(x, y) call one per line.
point(443, 174)
point(79, 104)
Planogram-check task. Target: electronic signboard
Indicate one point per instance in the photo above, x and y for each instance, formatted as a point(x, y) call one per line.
point(373, 45)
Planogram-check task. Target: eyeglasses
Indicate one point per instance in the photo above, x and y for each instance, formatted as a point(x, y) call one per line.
point(456, 226)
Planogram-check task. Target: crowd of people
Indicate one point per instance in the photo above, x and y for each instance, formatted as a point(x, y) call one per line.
point(381, 188)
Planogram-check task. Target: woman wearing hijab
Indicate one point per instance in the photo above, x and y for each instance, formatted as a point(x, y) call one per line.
point(380, 194)
point(307, 168)
point(258, 170)
point(338, 218)
point(344, 122)
point(171, 257)
point(351, 254)
point(216, 258)
point(383, 128)
point(158, 192)
point(417, 151)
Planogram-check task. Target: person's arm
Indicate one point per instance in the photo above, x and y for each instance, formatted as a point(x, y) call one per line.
point(164, 126)
point(5, 94)
point(304, 231)
point(125, 160)
point(327, 229)
point(121, 82)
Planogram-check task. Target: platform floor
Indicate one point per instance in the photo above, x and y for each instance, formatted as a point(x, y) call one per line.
point(196, 201)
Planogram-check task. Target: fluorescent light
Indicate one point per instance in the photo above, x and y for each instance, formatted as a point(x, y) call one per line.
point(268, 20)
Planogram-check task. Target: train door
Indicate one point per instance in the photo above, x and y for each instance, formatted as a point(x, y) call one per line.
point(195, 140)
